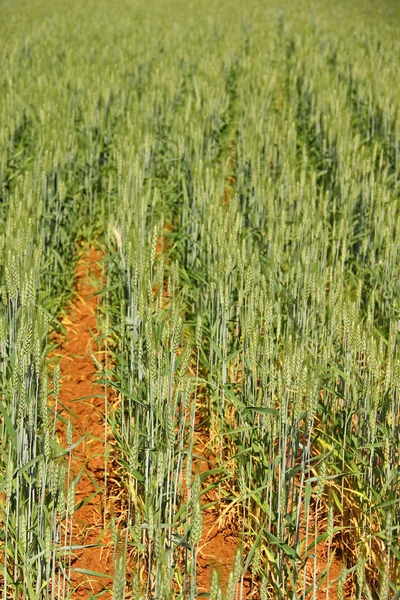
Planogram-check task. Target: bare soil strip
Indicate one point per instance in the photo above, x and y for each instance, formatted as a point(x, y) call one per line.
point(84, 399)
point(219, 541)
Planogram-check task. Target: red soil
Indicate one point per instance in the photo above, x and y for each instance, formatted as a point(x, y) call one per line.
point(220, 540)
point(78, 375)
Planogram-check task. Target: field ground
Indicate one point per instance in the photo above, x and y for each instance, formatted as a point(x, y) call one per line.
point(199, 300)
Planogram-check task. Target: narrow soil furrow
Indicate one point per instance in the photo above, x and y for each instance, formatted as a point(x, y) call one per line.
point(84, 400)
point(221, 537)
point(219, 541)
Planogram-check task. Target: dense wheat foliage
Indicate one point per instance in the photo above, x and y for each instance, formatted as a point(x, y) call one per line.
point(238, 166)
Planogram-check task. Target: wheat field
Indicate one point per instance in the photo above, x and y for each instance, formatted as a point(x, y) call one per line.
point(200, 300)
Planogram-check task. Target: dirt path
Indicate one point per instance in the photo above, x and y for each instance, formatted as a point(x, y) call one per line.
point(78, 375)
point(219, 541)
